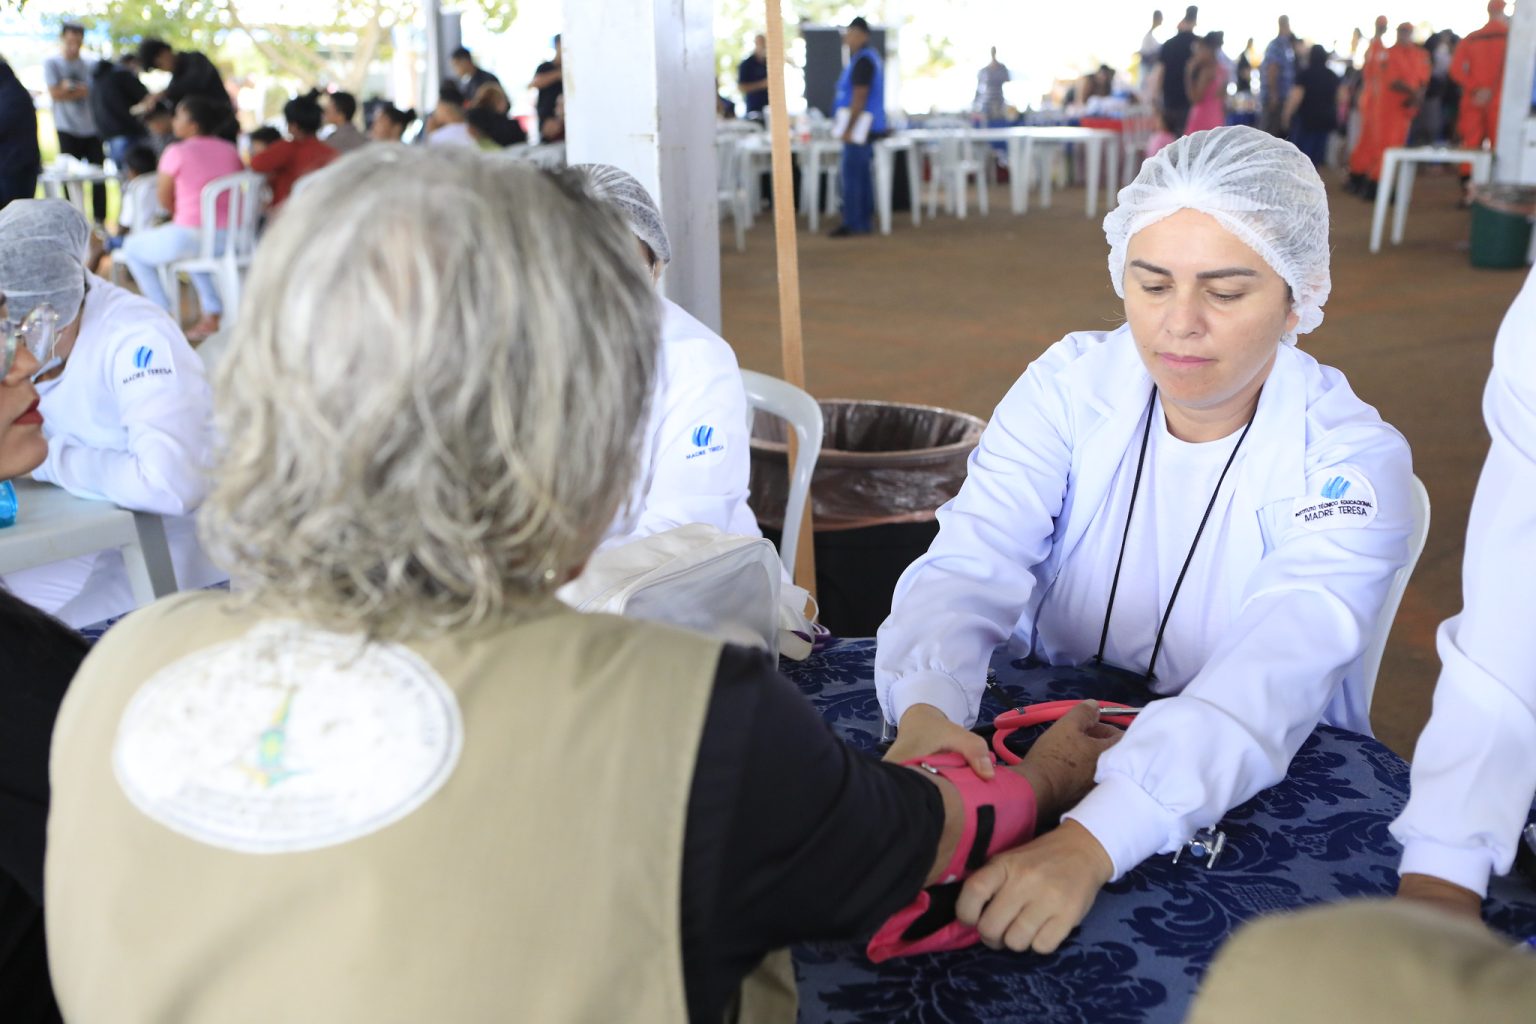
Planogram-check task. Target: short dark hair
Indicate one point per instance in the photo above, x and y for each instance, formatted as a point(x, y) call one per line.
point(345, 104)
point(72, 26)
point(860, 24)
point(141, 160)
point(205, 113)
point(161, 109)
point(460, 53)
point(302, 113)
point(449, 92)
point(266, 135)
point(150, 50)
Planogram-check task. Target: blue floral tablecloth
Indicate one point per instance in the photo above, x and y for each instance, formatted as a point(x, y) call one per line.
point(1318, 836)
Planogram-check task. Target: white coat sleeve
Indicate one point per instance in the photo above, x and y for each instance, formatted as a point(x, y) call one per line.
point(164, 406)
point(1474, 771)
point(954, 605)
point(1308, 612)
point(700, 456)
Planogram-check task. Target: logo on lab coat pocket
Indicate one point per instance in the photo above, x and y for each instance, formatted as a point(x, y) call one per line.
point(1336, 499)
point(705, 446)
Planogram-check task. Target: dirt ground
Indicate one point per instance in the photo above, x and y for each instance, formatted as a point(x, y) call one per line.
point(951, 312)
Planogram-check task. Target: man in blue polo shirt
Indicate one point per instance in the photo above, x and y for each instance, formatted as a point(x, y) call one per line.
point(861, 88)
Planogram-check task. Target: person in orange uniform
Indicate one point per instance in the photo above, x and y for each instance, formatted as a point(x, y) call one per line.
point(1367, 152)
point(1478, 67)
point(1399, 92)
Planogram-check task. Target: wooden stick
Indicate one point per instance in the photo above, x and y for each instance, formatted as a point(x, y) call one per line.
point(787, 249)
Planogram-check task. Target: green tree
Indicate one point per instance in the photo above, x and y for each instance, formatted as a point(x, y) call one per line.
point(308, 53)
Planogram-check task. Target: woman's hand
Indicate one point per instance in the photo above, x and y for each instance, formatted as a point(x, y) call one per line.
point(924, 730)
point(1032, 897)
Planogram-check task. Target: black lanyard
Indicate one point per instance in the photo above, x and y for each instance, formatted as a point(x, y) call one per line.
point(1141, 462)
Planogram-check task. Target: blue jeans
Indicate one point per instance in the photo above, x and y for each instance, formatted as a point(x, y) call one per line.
point(858, 187)
point(118, 147)
point(146, 252)
point(1312, 142)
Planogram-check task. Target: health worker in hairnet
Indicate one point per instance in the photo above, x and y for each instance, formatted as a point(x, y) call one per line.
point(1189, 498)
point(695, 462)
point(125, 403)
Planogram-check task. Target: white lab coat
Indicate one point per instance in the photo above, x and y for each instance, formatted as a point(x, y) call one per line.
point(1312, 582)
point(695, 459)
point(128, 421)
point(1474, 771)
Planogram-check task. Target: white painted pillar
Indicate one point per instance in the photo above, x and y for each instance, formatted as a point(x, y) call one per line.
point(432, 73)
point(639, 94)
point(1517, 129)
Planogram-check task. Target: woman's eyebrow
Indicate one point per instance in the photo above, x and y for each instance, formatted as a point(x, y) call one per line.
point(1204, 275)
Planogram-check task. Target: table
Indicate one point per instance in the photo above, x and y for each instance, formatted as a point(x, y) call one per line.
point(885, 177)
point(69, 183)
point(1103, 152)
point(52, 525)
point(810, 152)
point(1320, 835)
point(1399, 167)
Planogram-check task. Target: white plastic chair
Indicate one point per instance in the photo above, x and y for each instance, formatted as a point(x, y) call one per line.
point(146, 210)
point(1371, 660)
point(243, 194)
point(954, 165)
point(730, 189)
point(803, 414)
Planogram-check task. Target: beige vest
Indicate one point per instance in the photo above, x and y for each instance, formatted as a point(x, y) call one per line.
point(541, 882)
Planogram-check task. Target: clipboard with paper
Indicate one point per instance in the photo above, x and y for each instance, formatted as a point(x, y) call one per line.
point(861, 126)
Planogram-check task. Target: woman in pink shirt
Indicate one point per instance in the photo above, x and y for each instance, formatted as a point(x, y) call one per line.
point(187, 165)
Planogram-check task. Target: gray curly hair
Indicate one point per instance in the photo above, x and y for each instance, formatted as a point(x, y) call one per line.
point(430, 410)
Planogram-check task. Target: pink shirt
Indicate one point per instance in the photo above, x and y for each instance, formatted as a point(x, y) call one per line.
point(193, 163)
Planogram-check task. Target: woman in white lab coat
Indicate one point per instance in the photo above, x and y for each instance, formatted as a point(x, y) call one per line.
point(1271, 510)
point(695, 461)
point(126, 408)
point(1474, 770)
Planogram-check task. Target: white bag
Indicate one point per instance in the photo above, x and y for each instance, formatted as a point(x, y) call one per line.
point(693, 577)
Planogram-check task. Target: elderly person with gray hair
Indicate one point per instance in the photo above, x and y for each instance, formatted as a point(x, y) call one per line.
point(695, 455)
point(125, 403)
point(435, 792)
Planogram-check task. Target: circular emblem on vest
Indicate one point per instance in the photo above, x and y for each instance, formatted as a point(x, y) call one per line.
point(288, 739)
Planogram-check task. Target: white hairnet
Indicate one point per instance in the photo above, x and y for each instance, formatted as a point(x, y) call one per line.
point(42, 257)
point(620, 188)
point(1260, 188)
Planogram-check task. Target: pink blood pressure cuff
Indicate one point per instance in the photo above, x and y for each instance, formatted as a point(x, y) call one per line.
point(999, 815)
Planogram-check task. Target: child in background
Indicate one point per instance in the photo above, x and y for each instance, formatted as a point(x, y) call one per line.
point(263, 137)
point(158, 121)
point(1160, 138)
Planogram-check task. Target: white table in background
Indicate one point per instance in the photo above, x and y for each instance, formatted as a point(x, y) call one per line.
point(70, 183)
point(52, 525)
point(1103, 152)
point(810, 153)
point(1399, 168)
point(885, 178)
point(1103, 148)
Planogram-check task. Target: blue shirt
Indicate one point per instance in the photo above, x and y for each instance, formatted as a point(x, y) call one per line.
point(1281, 54)
point(853, 75)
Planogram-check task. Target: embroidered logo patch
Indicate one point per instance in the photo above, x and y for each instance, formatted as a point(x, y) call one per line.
point(1336, 499)
point(708, 444)
point(288, 739)
point(147, 363)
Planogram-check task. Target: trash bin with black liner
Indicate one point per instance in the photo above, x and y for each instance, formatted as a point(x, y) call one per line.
point(885, 468)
